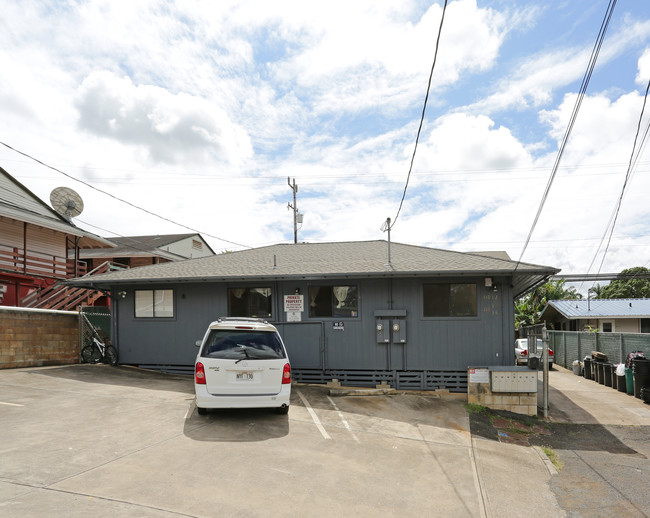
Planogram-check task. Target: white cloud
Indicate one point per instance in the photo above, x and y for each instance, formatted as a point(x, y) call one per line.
point(534, 80)
point(200, 110)
point(643, 75)
point(173, 128)
point(385, 60)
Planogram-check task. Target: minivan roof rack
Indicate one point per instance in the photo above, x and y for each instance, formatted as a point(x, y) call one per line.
point(241, 319)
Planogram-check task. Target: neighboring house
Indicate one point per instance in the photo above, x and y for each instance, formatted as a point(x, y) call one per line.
point(133, 251)
point(604, 315)
point(361, 312)
point(38, 246)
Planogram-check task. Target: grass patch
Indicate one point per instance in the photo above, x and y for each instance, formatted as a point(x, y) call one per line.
point(475, 408)
point(553, 457)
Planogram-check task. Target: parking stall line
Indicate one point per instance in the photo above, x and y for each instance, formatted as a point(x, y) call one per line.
point(313, 416)
point(345, 423)
point(9, 404)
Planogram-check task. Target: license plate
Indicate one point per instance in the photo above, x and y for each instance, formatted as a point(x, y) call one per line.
point(245, 376)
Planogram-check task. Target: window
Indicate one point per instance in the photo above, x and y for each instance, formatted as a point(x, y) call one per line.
point(449, 300)
point(333, 301)
point(154, 303)
point(608, 327)
point(250, 302)
point(645, 325)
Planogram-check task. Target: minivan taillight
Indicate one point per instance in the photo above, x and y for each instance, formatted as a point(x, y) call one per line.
point(199, 374)
point(286, 375)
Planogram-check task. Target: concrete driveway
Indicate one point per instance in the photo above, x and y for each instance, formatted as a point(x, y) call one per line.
point(94, 440)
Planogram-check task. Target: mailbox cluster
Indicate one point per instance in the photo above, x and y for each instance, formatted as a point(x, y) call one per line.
point(513, 381)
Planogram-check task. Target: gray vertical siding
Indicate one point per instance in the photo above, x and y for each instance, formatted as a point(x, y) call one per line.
point(432, 343)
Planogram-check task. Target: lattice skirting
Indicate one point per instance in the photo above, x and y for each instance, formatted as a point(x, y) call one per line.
point(454, 381)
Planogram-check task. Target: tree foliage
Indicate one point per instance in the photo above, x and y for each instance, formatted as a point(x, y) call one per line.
point(626, 288)
point(529, 307)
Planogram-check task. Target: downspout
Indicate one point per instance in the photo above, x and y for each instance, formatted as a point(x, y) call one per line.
point(114, 327)
point(278, 301)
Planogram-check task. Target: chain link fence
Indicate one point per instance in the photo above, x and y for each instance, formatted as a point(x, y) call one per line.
point(94, 322)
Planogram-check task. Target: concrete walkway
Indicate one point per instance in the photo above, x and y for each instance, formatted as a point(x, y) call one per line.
point(604, 450)
point(575, 399)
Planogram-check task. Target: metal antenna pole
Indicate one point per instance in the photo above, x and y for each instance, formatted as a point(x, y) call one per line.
point(294, 188)
point(386, 228)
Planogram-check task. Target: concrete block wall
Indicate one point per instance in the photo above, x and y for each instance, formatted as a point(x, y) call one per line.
point(517, 402)
point(30, 337)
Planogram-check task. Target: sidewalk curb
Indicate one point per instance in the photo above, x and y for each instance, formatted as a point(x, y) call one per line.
point(547, 462)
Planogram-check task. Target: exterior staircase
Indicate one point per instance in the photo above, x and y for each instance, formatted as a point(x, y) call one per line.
point(67, 298)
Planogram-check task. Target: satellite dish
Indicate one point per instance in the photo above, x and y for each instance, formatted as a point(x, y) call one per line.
point(66, 202)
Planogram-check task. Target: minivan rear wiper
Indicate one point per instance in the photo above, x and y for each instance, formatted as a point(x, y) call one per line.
point(245, 349)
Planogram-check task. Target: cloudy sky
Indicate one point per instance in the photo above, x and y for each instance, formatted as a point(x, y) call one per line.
point(199, 111)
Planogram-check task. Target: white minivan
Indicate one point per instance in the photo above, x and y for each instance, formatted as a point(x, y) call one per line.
point(242, 363)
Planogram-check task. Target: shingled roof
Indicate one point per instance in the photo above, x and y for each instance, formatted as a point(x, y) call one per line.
point(355, 259)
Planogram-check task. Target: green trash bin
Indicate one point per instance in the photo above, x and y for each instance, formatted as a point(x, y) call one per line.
point(629, 381)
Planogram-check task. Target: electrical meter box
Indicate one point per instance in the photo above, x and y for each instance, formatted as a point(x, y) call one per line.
point(513, 380)
point(383, 331)
point(399, 331)
point(390, 323)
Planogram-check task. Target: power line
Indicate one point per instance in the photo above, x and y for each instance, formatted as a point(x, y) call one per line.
point(633, 162)
point(120, 199)
point(342, 173)
point(627, 177)
point(424, 107)
point(574, 115)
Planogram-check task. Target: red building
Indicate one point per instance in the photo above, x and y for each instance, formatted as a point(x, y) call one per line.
point(38, 248)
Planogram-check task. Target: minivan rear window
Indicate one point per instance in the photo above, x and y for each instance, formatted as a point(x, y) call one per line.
point(243, 345)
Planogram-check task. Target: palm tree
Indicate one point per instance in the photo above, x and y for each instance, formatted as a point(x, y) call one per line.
point(529, 308)
point(597, 290)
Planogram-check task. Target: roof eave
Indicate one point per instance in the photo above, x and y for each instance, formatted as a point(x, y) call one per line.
point(270, 277)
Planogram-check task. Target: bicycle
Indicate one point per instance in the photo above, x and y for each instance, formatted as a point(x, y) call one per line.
point(99, 351)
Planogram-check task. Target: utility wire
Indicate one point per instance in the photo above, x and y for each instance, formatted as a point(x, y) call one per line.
point(633, 162)
point(574, 115)
point(120, 199)
point(627, 175)
point(340, 174)
point(426, 98)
